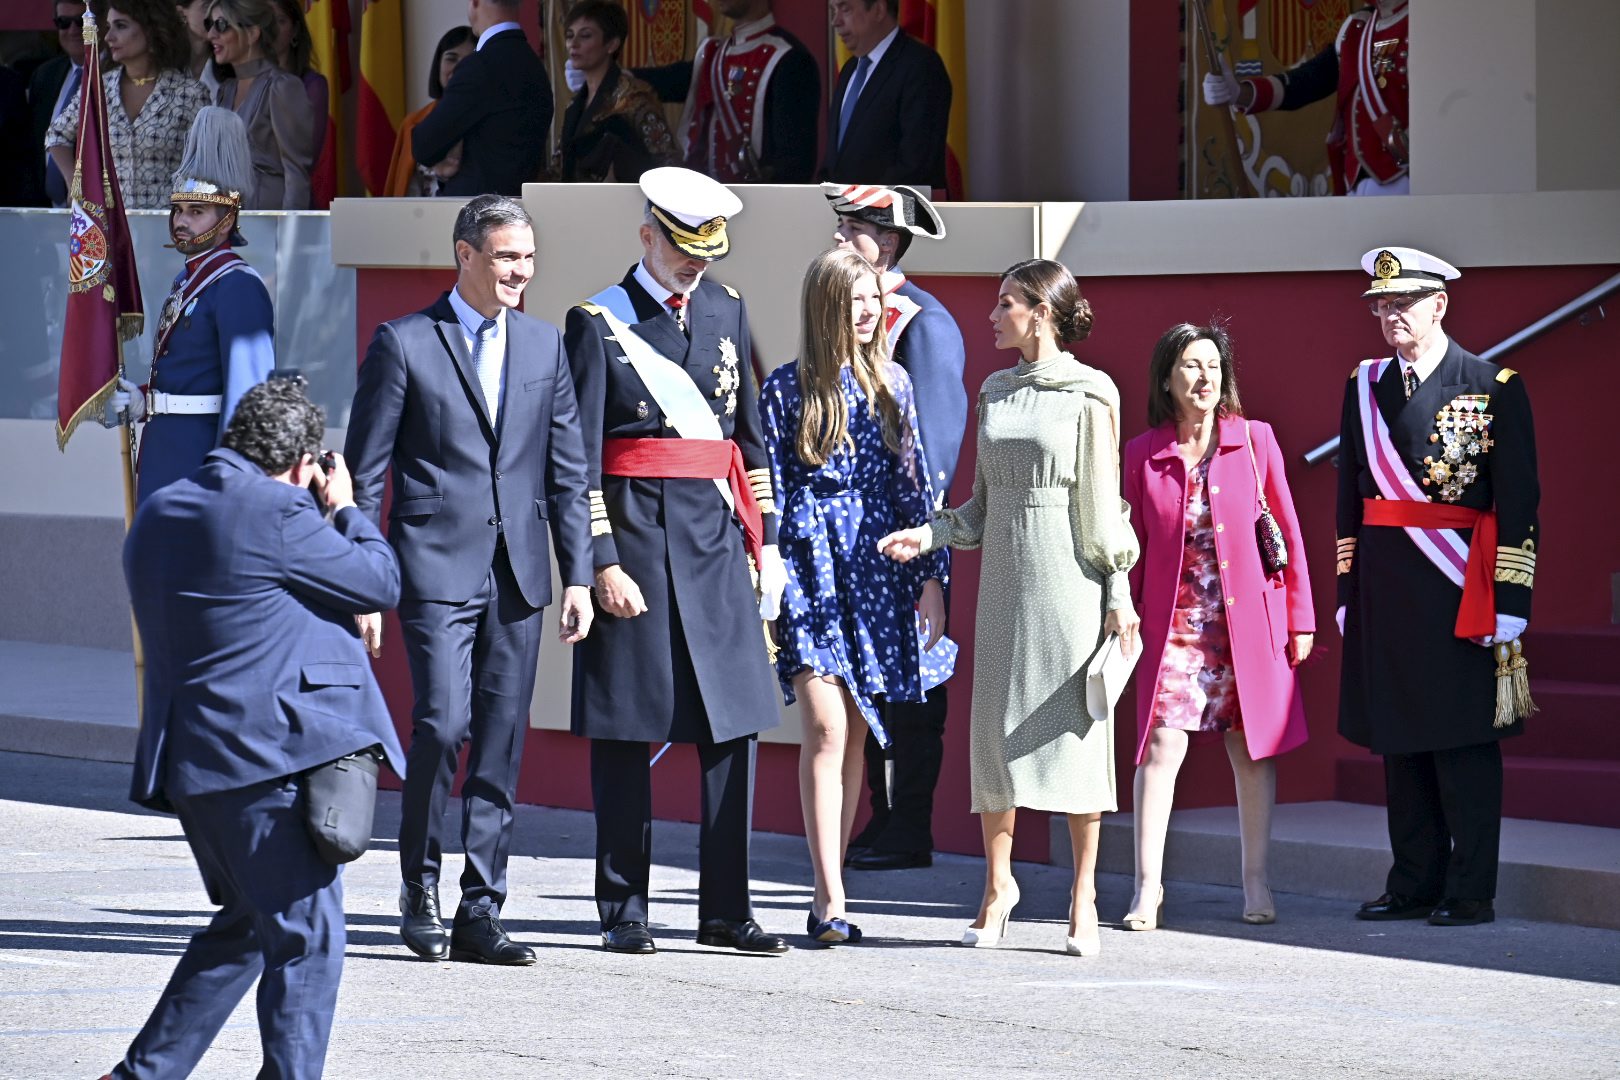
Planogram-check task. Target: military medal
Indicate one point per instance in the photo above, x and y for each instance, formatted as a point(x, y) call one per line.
point(641, 410)
point(1463, 432)
point(729, 377)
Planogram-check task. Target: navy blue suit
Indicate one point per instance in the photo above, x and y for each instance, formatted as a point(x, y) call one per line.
point(498, 106)
point(472, 501)
point(898, 129)
point(245, 598)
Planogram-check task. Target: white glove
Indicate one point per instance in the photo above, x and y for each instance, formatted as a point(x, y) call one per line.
point(772, 582)
point(1508, 628)
point(574, 77)
point(1338, 617)
point(126, 399)
point(1222, 88)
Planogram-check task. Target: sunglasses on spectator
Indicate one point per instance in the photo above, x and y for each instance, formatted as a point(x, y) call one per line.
point(69, 22)
point(218, 26)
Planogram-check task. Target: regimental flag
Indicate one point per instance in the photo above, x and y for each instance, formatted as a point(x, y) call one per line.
point(104, 293)
point(381, 106)
point(658, 33)
point(329, 25)
point(1302, 28)
point(1248, 63)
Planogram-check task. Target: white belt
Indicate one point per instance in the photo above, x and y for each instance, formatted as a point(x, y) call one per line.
point(158, 403)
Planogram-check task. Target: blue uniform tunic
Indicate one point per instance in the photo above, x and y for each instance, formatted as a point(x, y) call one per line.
point(223, 343)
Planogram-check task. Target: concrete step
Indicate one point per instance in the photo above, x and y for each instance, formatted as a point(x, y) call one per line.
point(67, 701)
point(1586, 654)
point(1577, 720)
point(1577, 791)
point(1550, 872)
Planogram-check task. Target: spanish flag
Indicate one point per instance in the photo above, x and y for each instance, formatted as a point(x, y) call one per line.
point(329, 25)
point(382, 91)
point(104, 292)
point(942, 26)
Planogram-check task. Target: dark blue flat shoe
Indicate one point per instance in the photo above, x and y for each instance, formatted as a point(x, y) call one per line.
point(829, 931)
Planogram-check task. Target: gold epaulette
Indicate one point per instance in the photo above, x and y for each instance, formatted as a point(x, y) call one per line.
point(1505, 374)
point(1517, 565)
point(735, 295)
point(1355, 371)
point(600, 525)
point(588, 308)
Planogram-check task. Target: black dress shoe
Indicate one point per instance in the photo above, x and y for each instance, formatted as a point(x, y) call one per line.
point(745, 936)
point(629, 937)
point(1453, 912)
point(423, 932)
point(482, 940)
point(1395, 906)
point(891, 860)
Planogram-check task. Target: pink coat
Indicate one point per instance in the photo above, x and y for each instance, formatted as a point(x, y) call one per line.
point(1260, 611)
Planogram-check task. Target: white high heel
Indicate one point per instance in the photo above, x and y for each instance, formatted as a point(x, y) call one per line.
point(1146, 922)
point(1085, 944)
point(994, 931)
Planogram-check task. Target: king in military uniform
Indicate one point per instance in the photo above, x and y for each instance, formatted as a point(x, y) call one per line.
point(216, 335)
point(680, 500)
point(1436, 562)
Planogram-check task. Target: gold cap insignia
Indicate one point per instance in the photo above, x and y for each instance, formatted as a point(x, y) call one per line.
point(1386, 268)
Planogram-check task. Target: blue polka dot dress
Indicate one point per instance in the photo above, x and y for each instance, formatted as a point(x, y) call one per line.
point(849, 611)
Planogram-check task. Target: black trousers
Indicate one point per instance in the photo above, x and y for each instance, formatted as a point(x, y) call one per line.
point(1445, 821)
point(473, 670)
point(621, 789)
point(903, 814)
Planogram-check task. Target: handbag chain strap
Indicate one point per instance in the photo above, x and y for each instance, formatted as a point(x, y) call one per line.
point(1259, 488)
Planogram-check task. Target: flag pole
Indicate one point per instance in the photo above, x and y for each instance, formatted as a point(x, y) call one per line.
point(1212, 53)
point(126, 450)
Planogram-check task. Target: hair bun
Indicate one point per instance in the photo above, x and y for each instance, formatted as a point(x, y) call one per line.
point(1074, 326)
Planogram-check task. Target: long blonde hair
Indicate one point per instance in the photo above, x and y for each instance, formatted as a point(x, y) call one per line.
point(826, 341)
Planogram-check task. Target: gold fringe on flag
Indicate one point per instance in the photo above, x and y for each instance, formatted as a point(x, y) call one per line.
point(1513, 702)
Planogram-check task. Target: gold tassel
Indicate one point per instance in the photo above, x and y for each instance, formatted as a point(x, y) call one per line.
point(1513, 701)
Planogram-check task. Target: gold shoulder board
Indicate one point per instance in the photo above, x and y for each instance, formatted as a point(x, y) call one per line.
point(1505, 374)
point(735, 295)
point(588, 308)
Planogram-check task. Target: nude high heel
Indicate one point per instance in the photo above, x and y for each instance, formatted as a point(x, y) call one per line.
point(994, 931)
point(1146, 922)
point(1084, 944)
point(1262, 916)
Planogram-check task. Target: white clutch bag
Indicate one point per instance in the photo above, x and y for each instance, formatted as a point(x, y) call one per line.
point(1107, 675)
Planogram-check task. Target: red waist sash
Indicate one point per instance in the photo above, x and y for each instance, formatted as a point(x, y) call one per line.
point(692, 459)
point(1476, 617)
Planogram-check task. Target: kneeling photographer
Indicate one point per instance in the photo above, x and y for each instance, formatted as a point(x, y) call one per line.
point(259, 695)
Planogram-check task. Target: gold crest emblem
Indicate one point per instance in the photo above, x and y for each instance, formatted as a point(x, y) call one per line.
point(1386, 267)
point(710, 227)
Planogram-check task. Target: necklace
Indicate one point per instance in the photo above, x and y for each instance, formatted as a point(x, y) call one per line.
point(148, 81)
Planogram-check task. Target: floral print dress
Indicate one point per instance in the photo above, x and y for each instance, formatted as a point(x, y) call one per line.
point(849, 610)
point(1197, 686)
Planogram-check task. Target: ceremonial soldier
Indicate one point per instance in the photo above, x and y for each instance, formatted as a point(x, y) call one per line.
point(1436, 560)
point(216, 335)
point(680, 498)
point(1366, 67)
point(880, 223)
point(752, 100)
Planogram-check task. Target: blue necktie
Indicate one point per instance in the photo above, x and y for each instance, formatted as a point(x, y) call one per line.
point(863, 68)
point(486, 360)
point(55, 182)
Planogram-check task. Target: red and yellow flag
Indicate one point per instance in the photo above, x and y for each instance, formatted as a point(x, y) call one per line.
point(328, 22)
point(104, 292)
point(382, 90)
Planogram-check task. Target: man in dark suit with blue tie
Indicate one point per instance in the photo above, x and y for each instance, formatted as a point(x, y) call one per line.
point(245, 597)
point(497, 108)
point(470, 405)
point(892, 107)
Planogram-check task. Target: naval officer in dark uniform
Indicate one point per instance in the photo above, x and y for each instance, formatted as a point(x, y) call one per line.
point(880, 223)
point(216, 335)
point(680, 501)
point(1436, 562)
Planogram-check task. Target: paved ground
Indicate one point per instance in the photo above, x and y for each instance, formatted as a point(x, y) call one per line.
point(99, 899)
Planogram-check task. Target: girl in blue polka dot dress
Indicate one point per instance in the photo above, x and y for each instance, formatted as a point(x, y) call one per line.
point(849, 469)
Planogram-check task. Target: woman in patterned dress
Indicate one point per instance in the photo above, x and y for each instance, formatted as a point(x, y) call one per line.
point(1221, 638)
point(151, 100)
point(1057, 544)
point(614, 128)
point(841, 426)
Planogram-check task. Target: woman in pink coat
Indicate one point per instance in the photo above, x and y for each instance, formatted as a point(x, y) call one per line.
point(1220, 638)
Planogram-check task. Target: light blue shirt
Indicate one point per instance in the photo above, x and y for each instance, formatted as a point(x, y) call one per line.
point(470, 321)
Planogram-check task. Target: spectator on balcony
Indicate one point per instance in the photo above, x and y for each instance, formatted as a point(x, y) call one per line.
point(292, 48)
point(273, 103)
point(54, 84)
point(892, 104)
point(497, 109)
point(202, 66)
point(614, 129)
point(1221, 630)
point(151, 100)
point(405, 176)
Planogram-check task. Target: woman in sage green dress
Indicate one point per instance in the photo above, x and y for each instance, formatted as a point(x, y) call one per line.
point(1057, 543)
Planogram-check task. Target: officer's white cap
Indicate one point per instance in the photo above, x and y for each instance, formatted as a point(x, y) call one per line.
point(692, 209)
point(1396, 270)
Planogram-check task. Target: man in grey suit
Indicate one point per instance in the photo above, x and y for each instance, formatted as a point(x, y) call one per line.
point(470, 406)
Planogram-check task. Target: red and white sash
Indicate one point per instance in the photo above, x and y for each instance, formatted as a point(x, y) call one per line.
point(1445, 548)
point(209, 269)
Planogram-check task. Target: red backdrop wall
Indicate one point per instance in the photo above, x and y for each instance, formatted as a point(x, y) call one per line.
point(1298, 336)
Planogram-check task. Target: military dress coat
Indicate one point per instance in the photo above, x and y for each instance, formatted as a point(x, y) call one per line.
point(693, 666)
point(1409, 684)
